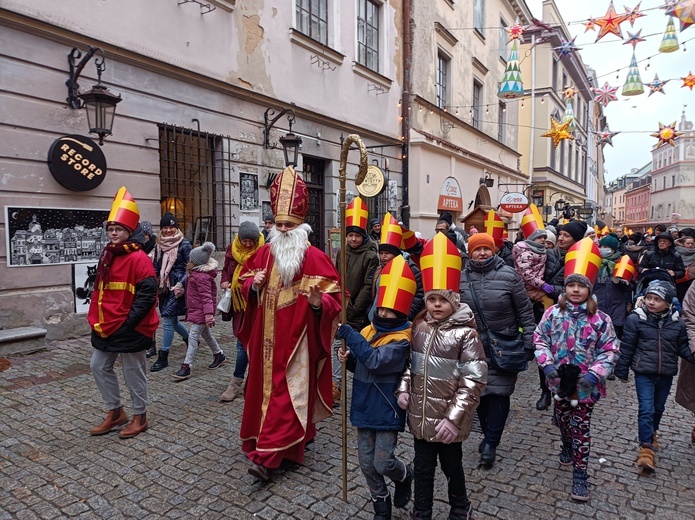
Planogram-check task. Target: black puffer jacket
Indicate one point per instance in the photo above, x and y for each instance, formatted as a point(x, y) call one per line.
point(651, 345)
point(506, 307)
point(360, 264)
point(666, 259)
point(555, 271)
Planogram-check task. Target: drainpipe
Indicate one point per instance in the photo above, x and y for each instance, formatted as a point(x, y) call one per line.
point(405, 110)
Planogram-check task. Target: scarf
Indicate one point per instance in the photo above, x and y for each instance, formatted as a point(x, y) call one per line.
point(688, 255)
point(390, 330)
point(607, 267)
point(107, 256)
point(168, 251)
point(240, 255)
point(536, 247)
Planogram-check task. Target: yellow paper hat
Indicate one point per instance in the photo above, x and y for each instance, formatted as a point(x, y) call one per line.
point(397, 286)
point(440, 264)
point(124, 211)
point(356, 214)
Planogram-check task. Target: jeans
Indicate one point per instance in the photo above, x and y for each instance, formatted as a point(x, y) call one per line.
point(376, 451)
point(492, 413)
point(171, 324)
point(652, 392)
point(242, 361)
point(199, 330)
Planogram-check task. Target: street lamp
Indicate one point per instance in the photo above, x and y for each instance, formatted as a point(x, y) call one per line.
point(290, 145)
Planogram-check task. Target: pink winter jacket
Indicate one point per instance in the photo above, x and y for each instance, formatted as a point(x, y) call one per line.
point(201, 292)
point(530, 266)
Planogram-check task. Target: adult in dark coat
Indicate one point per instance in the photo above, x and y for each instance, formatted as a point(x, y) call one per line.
point(170, 259)
point(506, 308)
point(612, 296)
point(663, 258)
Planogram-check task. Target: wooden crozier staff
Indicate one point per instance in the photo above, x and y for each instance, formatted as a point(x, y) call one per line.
point(359, 179)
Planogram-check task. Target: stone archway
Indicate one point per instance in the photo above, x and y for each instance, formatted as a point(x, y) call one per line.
point(482, 197)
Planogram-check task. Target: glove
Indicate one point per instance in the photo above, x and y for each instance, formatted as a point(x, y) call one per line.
point(621, 281)
point(178, 290)
point(551, 372)
point(446, 431)
point(403, 400)
point(547, 288)
point(344, 330)
point(587, 382)
point(209, 320)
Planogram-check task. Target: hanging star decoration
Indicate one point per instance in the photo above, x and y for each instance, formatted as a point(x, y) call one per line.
point(606, 137)
point(610, 23)
point(589, 25)
point(566, 48)
point(605, 94)
point(684, 10)
point(688, 81)
point(634, 39)
point(657, 85)
point(631, 15)
point(569, 93)
point(558, 131)
point(667, 134)
point(515, 31)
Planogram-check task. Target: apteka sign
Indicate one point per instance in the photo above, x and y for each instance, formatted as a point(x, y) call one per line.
point(450, 196)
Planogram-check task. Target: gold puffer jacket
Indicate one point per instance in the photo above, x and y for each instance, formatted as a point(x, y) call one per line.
point(446, 376)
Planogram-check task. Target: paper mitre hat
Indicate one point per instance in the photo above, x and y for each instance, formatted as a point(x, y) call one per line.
point(531, 221)
point(356, 214)
point(124, 211)
point(391, 233)
point(494, 225)
point(289, 197)
point(625, 269)
point(409, 239)
point(440, 264)
point(583, 260)
point(396, 286)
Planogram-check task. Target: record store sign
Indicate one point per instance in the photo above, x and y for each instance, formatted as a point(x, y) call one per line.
point(77, 163)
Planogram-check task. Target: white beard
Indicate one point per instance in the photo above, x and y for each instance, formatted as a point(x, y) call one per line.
point(289, 249)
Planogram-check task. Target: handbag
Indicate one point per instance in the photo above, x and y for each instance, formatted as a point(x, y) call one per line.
point(507, 351)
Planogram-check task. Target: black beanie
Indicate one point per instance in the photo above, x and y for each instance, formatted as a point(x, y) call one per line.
point(576, 229)
point(389, 249)
point(358, 230)
point(168, 220)
point(447, 217)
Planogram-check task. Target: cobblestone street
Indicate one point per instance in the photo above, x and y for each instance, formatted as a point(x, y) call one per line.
point(189, 463)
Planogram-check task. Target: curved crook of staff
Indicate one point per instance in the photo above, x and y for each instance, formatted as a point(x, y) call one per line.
point(359, 179)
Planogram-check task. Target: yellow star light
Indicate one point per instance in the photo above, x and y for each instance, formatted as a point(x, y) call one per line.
point(688, 81)
point(558, 131)
point(667, 134)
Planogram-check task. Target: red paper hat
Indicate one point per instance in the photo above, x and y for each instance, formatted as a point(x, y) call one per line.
point(494, 226)
point(391, 233)
point(124, 211)
point(409, 239)
point(625, 269)
point(396, 286)
point(356, 214)
point(440, 264)
point(583, 258)
point(289, 197)
point(531, 221)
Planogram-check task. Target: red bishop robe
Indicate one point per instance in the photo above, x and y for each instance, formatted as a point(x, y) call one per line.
point(288, 388)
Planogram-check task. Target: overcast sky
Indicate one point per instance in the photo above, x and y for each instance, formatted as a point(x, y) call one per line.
point(636, 116)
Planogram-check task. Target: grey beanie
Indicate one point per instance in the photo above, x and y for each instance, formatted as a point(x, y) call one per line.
point(248, 230)
point(146, 226)
point(550, 237)
point(201, 255)
point(452, 297)
point(578, 278)
point(662, 289)
point(538, 233)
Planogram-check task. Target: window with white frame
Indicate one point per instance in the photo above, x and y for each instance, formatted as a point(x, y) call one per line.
point(503, 39)
point(368, 34)
point(477, 100)
point(479, 16)
point(442, 79)
point(312, 19)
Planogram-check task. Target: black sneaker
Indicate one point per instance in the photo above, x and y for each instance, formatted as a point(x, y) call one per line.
point(183, 373)
point(403, 491)
point(218, 360)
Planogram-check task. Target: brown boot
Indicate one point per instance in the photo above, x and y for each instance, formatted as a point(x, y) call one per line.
point(336, 393)
point(646, 459)
point(232, 391)
point(655, 441)
point(136, 426)
point(116, 417)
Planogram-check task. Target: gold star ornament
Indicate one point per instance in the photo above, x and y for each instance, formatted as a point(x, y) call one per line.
point(559, 131)
point(667, 134)
point(688, 81)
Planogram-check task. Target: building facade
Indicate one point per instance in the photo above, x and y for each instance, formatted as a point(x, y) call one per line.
point(637, 202)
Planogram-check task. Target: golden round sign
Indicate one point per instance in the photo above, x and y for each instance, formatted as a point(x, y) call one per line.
point(373, 182)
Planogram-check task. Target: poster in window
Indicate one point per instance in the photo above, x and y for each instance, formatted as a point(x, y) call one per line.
point(248, 187)
point(41, 236)
point(201, 231)
point(393, 195)
point(83, 277)
point(266, 211)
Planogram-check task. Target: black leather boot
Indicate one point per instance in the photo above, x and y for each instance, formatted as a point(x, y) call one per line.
point(162, 361)
point(544, 402)
point(488, 455)
point(382, 508)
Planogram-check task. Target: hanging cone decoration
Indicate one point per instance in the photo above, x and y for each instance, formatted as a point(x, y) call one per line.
point(625, 269)
point(397, 286)
point(633, 83)
point(670, 41)
point(511, 86)
point(441, 265)
point(531, 221)
point(583, 258)
point(569, 117)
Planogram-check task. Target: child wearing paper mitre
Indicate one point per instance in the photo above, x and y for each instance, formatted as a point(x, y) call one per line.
point(442, 386)
point(575, 331)
point(377, 356)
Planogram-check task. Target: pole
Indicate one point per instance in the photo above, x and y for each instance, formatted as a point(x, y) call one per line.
point(533, 109)
point(359, 179)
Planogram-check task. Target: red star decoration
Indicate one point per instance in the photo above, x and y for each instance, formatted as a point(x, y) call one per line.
point(667, 134)
point(569, 93)
point(688, 81)
point(631, 15)
point(515, 31)
point(684, 10)
point(589, 25)
point(605, 94)
point(610, 23)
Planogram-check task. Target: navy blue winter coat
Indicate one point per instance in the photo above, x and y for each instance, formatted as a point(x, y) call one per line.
point(613, 298)
point(377, 375)
point(169, 305)
point(651, 345)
